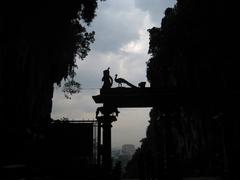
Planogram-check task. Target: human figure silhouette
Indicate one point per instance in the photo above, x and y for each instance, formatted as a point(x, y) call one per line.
point(107, 79)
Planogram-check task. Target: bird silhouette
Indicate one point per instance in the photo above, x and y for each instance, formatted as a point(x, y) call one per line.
point(121, 81)
point(142, 84)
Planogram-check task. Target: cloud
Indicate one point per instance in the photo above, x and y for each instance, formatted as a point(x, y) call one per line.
point(116, 24)
point(128, 60)
point(155, 8)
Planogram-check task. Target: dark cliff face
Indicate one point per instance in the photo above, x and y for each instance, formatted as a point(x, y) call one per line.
point(194, 48)
point(194, 51)
point(38, 43)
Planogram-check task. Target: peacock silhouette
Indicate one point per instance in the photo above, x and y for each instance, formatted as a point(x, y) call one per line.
point(121, 81)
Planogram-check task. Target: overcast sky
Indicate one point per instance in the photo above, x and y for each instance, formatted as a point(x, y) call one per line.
point(121, 44)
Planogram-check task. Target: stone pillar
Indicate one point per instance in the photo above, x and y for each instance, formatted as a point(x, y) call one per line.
point(105, 149)
point(99, 142)
point(107, 143)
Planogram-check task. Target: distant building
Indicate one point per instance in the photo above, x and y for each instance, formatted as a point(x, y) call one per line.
point(128, 149)
point(123, 155)
point(116, 153)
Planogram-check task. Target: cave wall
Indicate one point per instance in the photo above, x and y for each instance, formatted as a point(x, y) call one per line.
point(38, 45)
